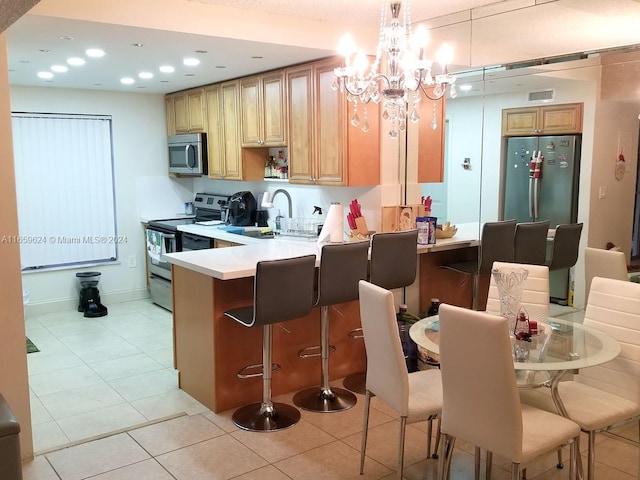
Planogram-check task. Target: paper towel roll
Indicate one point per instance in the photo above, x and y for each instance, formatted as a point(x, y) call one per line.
point(333, 228)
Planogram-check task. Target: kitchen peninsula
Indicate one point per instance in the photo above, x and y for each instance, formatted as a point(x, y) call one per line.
point(209, 348)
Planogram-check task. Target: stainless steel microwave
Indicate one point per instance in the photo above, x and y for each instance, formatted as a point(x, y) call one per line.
point(188, 154)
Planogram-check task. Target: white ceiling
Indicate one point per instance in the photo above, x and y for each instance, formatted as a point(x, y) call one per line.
point(285, 32)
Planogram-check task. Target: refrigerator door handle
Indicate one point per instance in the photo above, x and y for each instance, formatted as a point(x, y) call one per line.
point(536, 200)
point(530, 197)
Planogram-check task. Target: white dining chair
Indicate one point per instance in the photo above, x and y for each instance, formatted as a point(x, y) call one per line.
point(535, 296)
point(416, 396)
point(491, 418)
point(603, 263)
point(607, 396)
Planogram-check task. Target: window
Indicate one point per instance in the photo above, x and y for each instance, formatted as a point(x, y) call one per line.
point(65, 190)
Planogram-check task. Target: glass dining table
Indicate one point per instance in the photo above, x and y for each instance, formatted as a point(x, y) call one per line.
point(555, 349)
point(558, 347)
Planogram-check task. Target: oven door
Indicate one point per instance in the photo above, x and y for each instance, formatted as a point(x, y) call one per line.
point(159, 243)
point(191, 241)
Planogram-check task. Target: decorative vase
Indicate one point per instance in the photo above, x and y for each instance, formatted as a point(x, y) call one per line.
point(510, 283)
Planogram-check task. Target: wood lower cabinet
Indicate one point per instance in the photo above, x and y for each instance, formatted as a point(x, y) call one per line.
point(262, 107)
point(217, 243)
point(545, 120)
point(324, 149)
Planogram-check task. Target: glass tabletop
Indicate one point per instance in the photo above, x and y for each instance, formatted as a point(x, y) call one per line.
point(559, 345)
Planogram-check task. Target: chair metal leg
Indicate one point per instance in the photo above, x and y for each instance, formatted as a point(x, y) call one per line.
point(515, 469)
point(325, 398)
point(488, 465)
point(444, 466)
point(560, 464)
point(365, 429)
point(575, 461)
point(476, 463)
point(438, 435)
point(429, 433)
point(266, 416)
point(403, 427)
point(591, 456)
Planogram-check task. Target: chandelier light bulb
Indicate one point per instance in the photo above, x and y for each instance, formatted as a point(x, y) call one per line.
point(445, 55)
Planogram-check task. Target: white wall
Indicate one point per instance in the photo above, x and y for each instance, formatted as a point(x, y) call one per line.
point(139, 150)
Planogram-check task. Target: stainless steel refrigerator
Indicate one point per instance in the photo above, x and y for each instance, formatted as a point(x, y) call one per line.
point(540, 182)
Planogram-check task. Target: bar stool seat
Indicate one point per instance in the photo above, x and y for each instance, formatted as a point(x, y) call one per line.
point(394, 262)
point(296, 277)
point(342, 266)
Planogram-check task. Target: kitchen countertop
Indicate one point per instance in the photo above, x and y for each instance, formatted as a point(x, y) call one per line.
point(239, 262)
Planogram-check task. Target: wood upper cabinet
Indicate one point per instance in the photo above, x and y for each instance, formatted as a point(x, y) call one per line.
point(545, 120)
point(215, 150)
point(324, 148)
point(262, 105)
point(431, 140)
point(186, 111)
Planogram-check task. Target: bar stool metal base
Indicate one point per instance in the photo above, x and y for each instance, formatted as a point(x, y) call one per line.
point(356, 383)
point(257, 417)
point(317, 399)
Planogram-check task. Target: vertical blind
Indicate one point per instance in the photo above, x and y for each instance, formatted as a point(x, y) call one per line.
point(65, 190)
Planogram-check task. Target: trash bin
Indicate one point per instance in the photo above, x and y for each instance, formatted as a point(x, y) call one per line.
point(10, 458)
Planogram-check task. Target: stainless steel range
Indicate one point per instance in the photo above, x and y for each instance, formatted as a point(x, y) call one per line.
point(163, 237)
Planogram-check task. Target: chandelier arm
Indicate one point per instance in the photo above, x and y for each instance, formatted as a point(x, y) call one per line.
point(434, 98)
point(374, 79)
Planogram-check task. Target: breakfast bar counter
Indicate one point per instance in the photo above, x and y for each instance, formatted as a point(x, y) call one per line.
point(209, 348)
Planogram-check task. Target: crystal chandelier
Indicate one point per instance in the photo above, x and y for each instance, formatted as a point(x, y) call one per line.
point(408, 71)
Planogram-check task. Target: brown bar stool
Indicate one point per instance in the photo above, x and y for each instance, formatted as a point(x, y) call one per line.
point(496, 245)
point(394, 261)
point(530, 242)
point(342, 266)
point(296, 277)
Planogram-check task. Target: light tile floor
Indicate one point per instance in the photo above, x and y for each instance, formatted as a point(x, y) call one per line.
point(106, 406)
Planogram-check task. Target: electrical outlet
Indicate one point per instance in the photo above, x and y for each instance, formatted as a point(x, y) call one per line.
point(132, 261)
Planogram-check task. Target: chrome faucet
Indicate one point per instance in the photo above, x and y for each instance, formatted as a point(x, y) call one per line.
point(286, 194)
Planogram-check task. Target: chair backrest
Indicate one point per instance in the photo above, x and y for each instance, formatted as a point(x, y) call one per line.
point(530, 242)
point(480, 401)
point(342, 266)
point(565, 246)
point(614, 308)
point(394, 259)
point(283, 289)
point(535, 296)
point(605, 264)
point(387, 375)
point(496, 243)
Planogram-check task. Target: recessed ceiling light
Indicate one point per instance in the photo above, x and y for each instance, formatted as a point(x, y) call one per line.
point(167, 69)
point(221, 66)
point(67, 37)
point(164, 81)
point(191, 62)
point(202, 51)
point(127, 80)
point(137, 44)
point(94, 52)
point(59, 68)
point(145, 75)
point(189, 74)
point(45, 75)
point(466, 87)
point(256, 57)
point(76, 61)
point(25, 61)
point(44, 50)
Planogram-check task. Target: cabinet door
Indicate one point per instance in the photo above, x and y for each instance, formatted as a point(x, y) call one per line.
point(330, 131)
point(561, 119)
point(181, 109)
point(231, 131)
point(251, 112)
point(300, 111)
point(196, 110)
point(519, 121)
point(171, 115)
point(215, 150)
point(274, 109)
point(431, 141)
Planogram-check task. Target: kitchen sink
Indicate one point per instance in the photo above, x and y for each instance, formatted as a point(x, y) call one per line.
point(256, 234)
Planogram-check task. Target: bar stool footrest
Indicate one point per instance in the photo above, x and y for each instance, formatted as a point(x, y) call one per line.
point(257, 366)
point(356, 333)
point(302, 354)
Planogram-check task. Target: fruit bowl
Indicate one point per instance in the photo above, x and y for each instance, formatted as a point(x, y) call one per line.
point(446, 231)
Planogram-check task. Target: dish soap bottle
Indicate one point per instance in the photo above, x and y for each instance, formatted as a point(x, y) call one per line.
point(279, 218)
